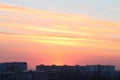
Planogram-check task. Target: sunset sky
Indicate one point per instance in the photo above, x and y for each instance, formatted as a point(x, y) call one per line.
point(60, 32)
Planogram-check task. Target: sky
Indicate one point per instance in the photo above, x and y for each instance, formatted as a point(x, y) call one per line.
point(60, 32)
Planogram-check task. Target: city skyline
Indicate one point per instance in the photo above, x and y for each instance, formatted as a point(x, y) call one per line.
point(20, 71)
point(60, 32)
point(23, 66)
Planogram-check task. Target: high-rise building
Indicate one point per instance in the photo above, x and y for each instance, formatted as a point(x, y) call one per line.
point(13, 67)
point(103, 68)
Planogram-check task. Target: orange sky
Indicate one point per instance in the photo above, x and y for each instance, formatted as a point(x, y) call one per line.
point(43, 37)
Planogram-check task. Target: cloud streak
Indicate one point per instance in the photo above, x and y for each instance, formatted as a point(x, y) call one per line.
point(44, 22)
point(25, 29)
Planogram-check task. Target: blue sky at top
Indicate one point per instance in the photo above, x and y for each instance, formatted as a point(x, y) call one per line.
point(104, 9)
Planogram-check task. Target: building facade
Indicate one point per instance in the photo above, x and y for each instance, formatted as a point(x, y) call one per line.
point(13, 67)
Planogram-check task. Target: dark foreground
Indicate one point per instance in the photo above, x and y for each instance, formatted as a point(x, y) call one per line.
point(19, 71)
point(63, 75)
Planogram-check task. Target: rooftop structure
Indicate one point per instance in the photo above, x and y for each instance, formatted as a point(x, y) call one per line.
point(90, 68)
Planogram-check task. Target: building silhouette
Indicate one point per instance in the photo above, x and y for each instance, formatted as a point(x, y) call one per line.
point(13, 67)
point(19, 71)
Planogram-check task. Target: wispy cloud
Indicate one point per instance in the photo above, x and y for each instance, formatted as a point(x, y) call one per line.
point(113, 9)
point(58, 28)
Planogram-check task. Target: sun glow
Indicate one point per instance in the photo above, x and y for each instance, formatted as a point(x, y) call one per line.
point(57, 38)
